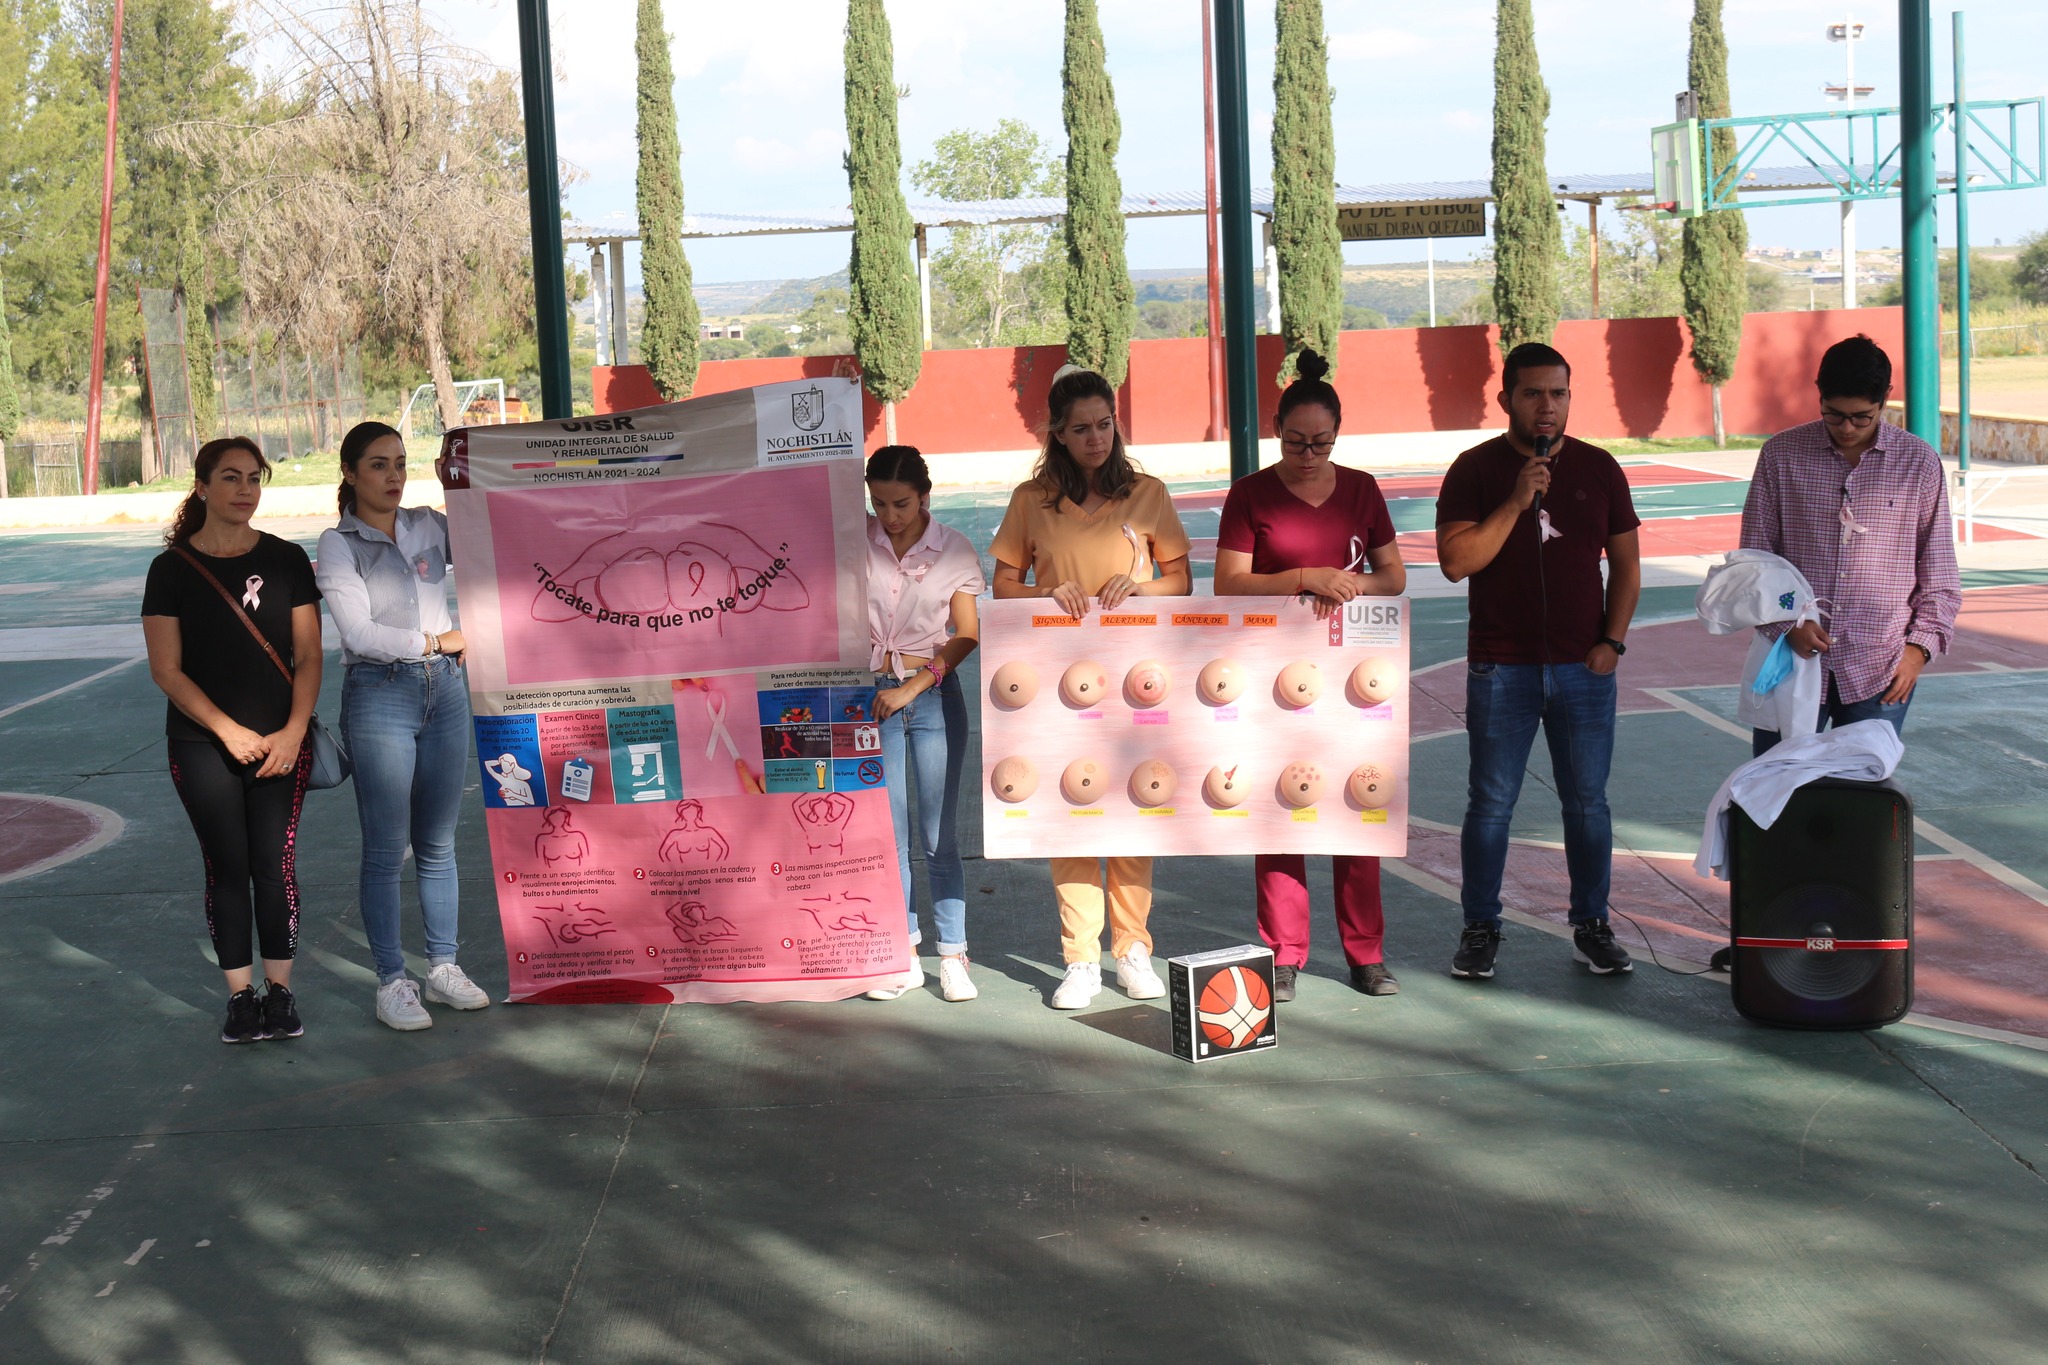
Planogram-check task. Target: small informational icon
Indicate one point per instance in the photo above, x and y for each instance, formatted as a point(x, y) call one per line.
point(824, 772)
point(870, 772)
point(867, 739)
point(576, 775)
point(807, 408)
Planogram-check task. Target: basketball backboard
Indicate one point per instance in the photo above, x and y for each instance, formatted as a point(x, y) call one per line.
point(1675, 165)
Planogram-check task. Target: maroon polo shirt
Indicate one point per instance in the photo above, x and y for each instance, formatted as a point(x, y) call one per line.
point(1588, 503)
point(1263, 518)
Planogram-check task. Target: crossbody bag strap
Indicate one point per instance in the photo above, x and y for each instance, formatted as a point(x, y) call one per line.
point(236, 608)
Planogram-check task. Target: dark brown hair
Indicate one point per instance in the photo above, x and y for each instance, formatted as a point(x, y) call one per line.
point(900, 464)
point(1058, 473)
point(1309, 388)
point(354, 446)
point(191, 513)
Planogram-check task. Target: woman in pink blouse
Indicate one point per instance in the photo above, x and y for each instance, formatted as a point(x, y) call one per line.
point(923, 578)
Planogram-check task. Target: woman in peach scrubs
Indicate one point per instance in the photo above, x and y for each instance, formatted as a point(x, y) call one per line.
point(1090, 529)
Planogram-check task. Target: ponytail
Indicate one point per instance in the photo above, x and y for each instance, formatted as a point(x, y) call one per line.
point(191, 513)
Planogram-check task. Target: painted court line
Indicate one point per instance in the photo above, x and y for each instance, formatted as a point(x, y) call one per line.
point(71, 687)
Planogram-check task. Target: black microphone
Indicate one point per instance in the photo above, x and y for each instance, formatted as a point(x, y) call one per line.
point(1542, 453)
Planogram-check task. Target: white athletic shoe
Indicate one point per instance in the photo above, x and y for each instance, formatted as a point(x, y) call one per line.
point(903, 984)
point(446, 985)
point(1135, 977)
point(1083, 983)
point(398, 1004)
point(954, 982)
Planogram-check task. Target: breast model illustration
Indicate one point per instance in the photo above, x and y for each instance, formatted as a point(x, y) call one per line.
point(1370, 786)
point(1084, 781)
point(1300, 785)
point(1147, 684)
point(1153, 783)
point(1014, 686)
point(1085, 685)
point(1221, 681)
point(1014, 779)
point(1298, 685)
point(1226, 787)
point(1375, 680)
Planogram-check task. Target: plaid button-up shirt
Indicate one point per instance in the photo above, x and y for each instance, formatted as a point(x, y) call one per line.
point(1887, 571)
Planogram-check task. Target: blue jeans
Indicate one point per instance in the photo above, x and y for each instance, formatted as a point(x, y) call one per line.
point(1504, 703)
point(1835, 711)
point(933, 731)
point(407, 730)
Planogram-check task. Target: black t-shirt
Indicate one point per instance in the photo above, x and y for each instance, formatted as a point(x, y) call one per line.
point(1588, 503)
point(219, 653)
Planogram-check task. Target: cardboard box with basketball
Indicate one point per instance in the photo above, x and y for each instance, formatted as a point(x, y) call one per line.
point(1222, 1003)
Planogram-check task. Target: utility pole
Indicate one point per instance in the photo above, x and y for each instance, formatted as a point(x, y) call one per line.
point(89, 471)
point(544, 207)
point(1848, 33)
point(1234, 137)
point(1916, 220)
point(1218, 381)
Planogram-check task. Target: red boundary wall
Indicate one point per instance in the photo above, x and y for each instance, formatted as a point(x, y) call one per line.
point(1630, 377)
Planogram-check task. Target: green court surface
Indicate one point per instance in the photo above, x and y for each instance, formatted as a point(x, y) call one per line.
point(1547, 1167)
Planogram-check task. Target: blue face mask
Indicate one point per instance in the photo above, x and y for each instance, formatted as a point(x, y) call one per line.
point(1777, 666)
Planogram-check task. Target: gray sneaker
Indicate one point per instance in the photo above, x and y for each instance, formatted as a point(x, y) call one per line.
point(398, 1004)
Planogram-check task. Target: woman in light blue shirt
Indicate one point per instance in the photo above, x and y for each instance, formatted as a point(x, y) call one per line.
point(404, 714)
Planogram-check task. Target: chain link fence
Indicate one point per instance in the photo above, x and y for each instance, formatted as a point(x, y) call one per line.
point(292, 405)
point(170, 382)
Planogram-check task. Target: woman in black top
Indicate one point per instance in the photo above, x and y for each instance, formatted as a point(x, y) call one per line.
point(239, 756)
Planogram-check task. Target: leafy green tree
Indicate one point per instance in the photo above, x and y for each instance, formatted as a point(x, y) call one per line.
point(2030, 269)
point(886, 316)
point(767, 339)
point(192, 277)
point(1525, 228)
point(10, 399)
point(1716, 283)
point(996, 286)
point(1305, 233)
point(1100, 299)
point(1639, 270)
point(827, 330)
point(669, 336)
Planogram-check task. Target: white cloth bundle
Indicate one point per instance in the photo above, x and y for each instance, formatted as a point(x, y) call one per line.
point(1865, 751)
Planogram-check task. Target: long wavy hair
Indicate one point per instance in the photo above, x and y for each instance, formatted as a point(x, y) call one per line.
point(191, 513)
point(1058, 472)
point(354, 446)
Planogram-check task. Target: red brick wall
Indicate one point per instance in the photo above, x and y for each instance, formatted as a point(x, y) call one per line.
point(1630, 377)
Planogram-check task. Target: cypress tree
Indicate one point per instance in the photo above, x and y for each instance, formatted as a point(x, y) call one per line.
point(1101, 303)
point(1305, 233)
point(1713, 273)
point(668, 336)
point(10, 401)
point(882, 293)
point(1527, 297)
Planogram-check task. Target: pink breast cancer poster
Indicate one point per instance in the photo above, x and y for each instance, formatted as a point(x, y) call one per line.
point(656, 605)
point(1188, 725)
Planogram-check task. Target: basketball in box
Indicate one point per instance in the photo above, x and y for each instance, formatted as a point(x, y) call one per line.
point(1222, 1002)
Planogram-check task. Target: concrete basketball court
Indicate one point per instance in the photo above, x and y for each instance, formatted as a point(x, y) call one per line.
point(1544, 1167)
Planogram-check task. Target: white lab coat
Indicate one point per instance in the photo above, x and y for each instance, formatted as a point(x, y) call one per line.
point(1865, 751)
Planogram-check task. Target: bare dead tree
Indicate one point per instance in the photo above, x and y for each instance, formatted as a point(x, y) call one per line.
point(382, 188)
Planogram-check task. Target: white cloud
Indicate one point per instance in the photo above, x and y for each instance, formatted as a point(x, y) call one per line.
point(1376, 44)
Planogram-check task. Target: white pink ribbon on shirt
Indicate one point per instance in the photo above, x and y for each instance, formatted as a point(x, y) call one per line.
point(254, 586)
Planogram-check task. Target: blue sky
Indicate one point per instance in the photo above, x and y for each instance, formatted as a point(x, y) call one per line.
point(759, 99)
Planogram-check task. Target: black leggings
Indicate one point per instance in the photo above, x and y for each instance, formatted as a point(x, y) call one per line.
point(248, 831)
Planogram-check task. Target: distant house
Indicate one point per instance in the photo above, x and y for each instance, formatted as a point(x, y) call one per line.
point(721, 331)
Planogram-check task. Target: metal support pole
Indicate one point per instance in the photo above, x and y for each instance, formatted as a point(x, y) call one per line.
point(1218, 419)
point(621, 352)
point(89, 473)
point(1429, 258)
point(1593, 247)
point(544, 208)
point(600, 305)
point(1234, 132)
point(1963, 347)
point(924, 286)
point(1916, 221)
point(1849, 205)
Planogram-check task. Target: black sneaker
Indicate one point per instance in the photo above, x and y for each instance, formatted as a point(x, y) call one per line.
point(245, 1018)
point(280, 1012)
point(1723, 960)
point(1283, 981)
point(1373, 978)
point(1476, 947)
point(1593, 944)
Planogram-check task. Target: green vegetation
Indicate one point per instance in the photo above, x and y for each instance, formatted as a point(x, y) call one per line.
point(883, 308)
point(1525, 230)
point(10, 398)
point(996, 286)
point(668, 338)
point(1305, 238)
point(1100, 311)
point(1713, 274)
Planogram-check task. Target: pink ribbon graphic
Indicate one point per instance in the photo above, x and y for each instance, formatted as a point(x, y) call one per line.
point(250, 598)
point(1549, 532)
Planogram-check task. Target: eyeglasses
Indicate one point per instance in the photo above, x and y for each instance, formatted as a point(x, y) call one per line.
point(1295, 447)
point(1857, 420)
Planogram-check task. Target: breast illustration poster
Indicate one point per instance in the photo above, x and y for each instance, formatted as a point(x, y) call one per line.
point(655, 604)
point(1188, 725)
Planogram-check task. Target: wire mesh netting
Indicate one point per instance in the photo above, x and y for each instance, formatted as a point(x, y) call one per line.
point(292, 405)
point(170, 381)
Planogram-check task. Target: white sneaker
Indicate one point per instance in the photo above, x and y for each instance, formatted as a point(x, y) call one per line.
point(446, 985)
point(398, 1004)
point(903, 984)
point(954, 982)
point(1083, 983)
point(1135, 977)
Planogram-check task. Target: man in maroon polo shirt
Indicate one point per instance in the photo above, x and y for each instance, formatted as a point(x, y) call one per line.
point(1527, 518)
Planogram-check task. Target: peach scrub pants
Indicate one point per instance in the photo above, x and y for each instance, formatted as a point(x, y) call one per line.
point(1079, 886)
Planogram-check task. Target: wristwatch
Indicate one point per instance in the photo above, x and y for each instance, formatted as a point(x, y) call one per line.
point(1926, 654)
point(1617, 646)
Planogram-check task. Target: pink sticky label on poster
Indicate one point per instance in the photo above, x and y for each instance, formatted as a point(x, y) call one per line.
point(682, 577)
point(776, 897)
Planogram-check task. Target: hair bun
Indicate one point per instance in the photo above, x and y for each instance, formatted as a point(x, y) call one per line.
point(1069, 368)
point(1310, 366)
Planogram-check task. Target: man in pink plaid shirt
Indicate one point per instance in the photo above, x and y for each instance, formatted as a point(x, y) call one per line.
point(1861, 507)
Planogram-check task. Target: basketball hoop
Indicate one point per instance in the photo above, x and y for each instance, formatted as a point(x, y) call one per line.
point(1668, 206)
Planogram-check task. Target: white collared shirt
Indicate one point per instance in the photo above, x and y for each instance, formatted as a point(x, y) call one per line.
point(386, 597)
point(910, 600)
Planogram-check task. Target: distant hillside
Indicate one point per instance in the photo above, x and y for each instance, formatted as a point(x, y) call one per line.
point(793, 296)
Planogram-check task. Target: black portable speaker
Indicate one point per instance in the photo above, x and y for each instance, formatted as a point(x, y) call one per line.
point(1821, 908)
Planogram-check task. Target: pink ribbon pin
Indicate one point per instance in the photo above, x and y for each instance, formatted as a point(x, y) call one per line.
point(1549, 532)
point(249, 598)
